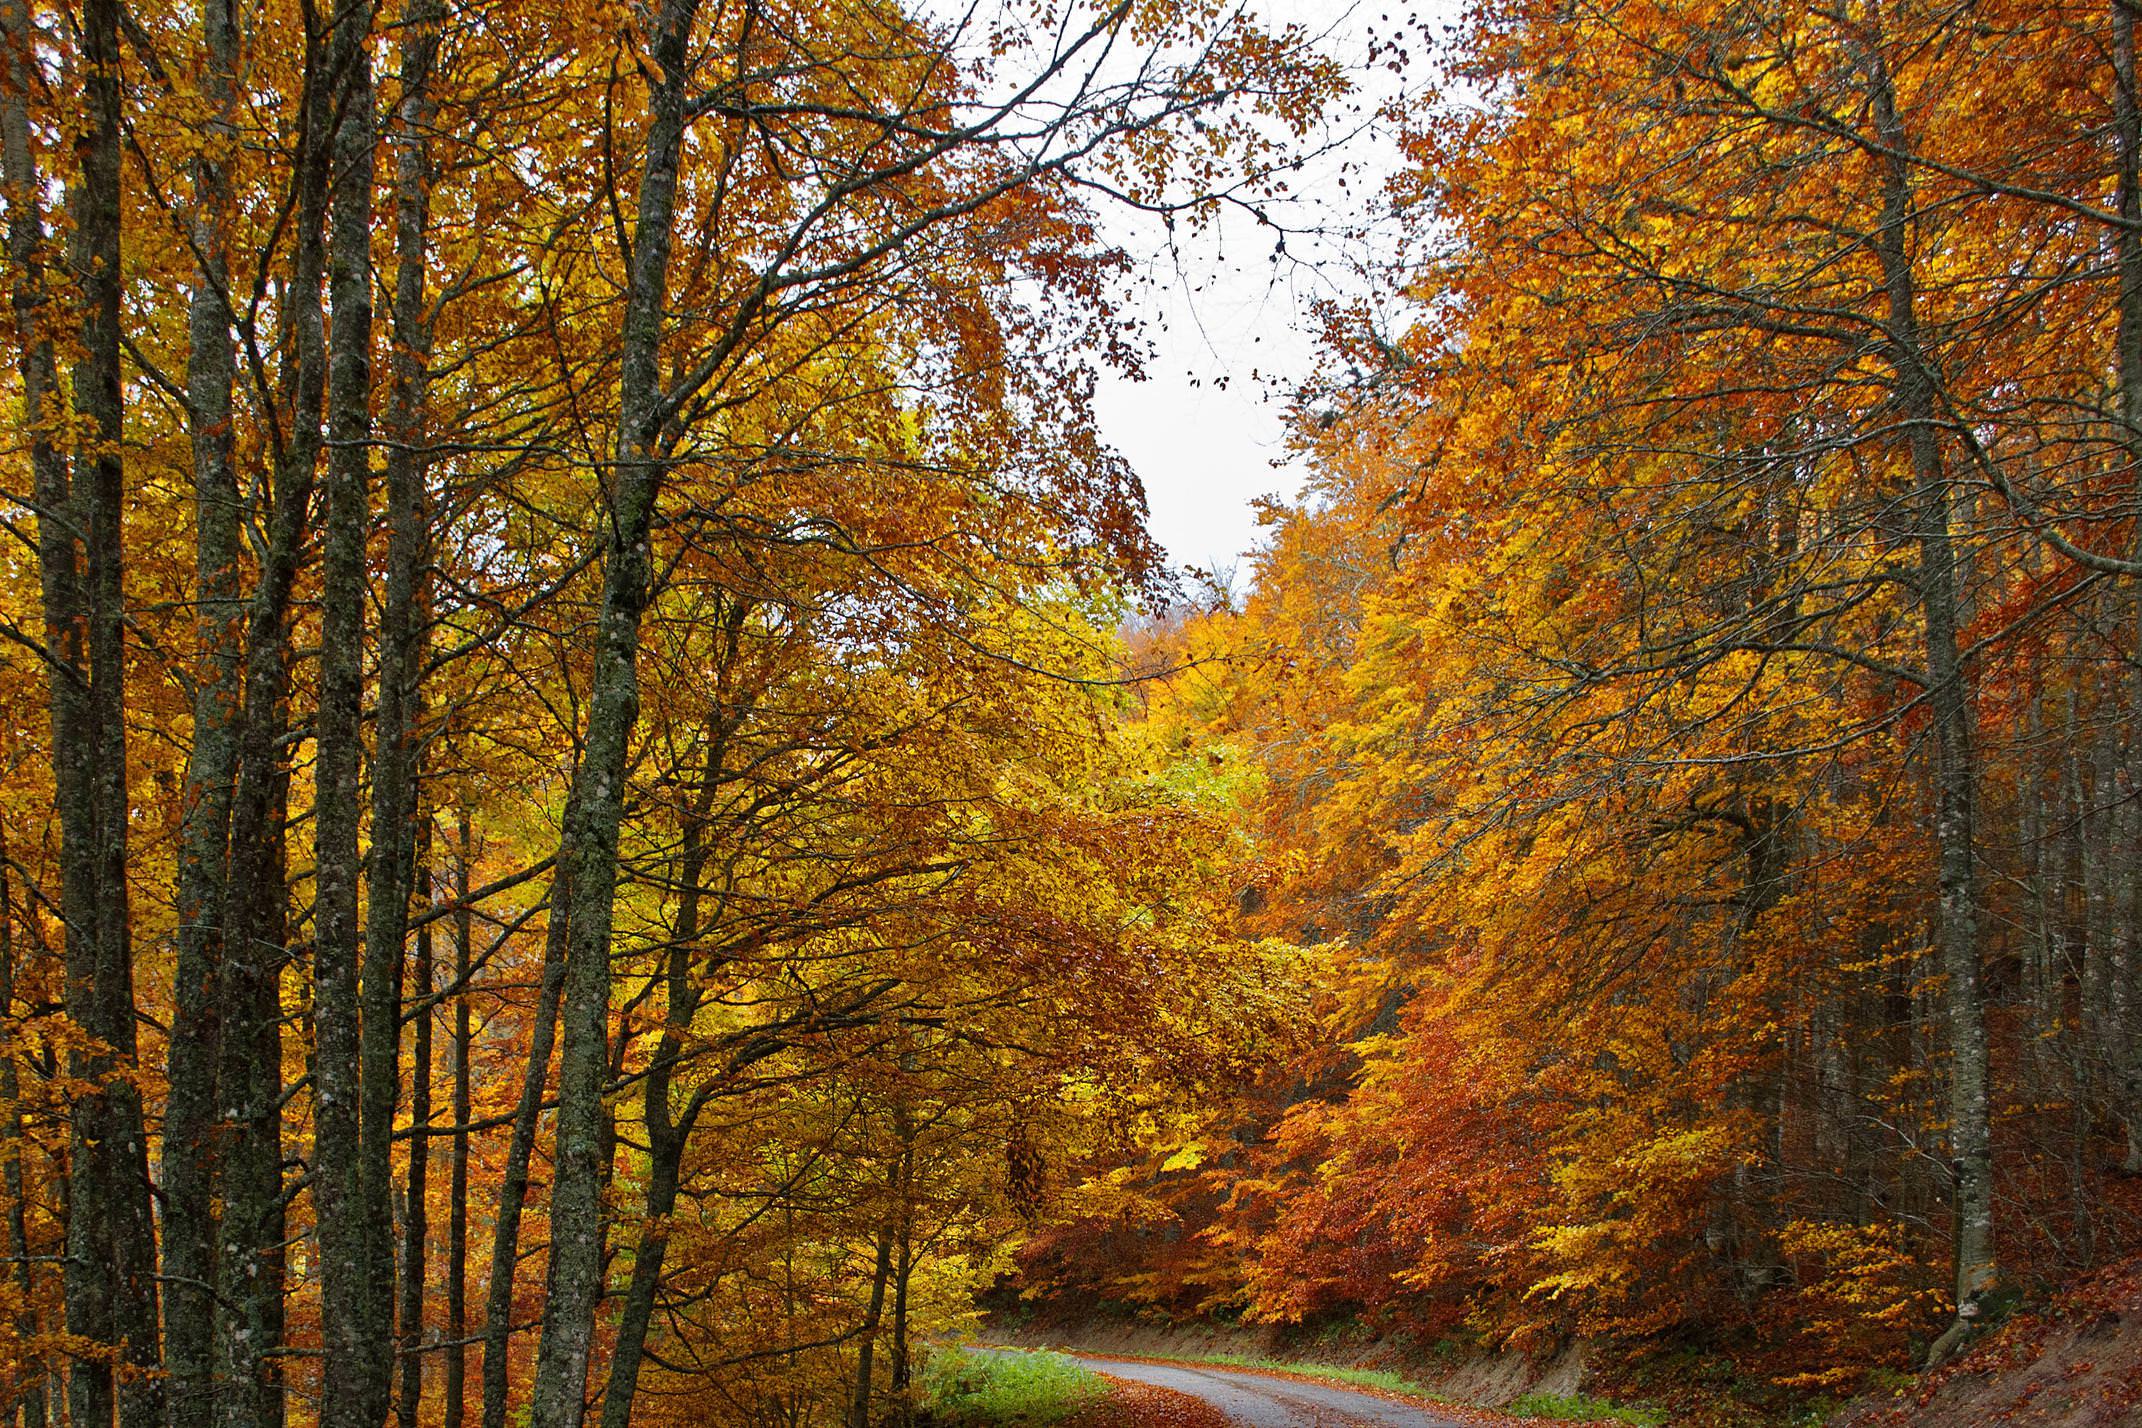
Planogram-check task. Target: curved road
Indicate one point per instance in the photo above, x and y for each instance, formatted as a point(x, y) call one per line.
point(1255, 1400)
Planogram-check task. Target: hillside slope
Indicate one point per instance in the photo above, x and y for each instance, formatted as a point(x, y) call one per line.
point(2075, 1364)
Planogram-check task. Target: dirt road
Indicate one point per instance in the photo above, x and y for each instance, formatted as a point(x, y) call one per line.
point(1256, 1400)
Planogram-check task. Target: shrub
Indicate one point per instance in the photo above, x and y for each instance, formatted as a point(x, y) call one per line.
point(1582, 1408)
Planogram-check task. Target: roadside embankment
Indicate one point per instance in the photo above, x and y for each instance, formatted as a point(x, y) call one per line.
point(2076, 1363)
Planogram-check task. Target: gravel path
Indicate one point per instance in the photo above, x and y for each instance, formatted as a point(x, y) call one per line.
point(1255, 1400)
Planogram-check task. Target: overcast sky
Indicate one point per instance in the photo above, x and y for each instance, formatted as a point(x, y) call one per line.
point(1206, 430)
point(1230, 329)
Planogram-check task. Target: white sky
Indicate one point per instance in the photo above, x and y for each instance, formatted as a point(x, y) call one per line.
point(1206, 430)
point(1230, 329)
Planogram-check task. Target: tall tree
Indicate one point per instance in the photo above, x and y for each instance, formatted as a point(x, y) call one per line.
point(80, 496)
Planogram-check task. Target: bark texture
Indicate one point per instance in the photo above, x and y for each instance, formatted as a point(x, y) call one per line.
point(349, 1182)
point(588, 852)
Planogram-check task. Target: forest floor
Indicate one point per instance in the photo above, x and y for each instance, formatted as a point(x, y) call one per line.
point(1145, 1405)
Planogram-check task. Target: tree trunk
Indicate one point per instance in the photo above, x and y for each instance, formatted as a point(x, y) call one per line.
point(2126, 1043)
point(667, 1135)
point(250, 1257)
point(349, 1191)
point(27, 1328)
point(111, 1289)
point(2073, 855)
point(86, 1282)
point(395, 796)
point(867, 1332)
point(904, 1239)
point(588, 850)
point(457, 1194)
point(1949, 700)
point(513, 1186)
point(665, 1156)
point(901, 1366)
point(191, 1134)
point(415, 1217)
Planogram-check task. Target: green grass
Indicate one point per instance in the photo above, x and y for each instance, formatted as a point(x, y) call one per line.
point(965, 1387)
point(1584, 1409)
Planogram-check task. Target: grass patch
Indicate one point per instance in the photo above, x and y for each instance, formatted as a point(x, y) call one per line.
point(980, 1388)
point(1583, 1408)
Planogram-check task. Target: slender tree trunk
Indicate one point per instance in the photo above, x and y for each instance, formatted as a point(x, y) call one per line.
point(1970, 1112)
point(38, 377)
point(638, 1310)
point(457, 1194)
point(903, 1260)
point(1949, 700)
point(250, 1256)
point(513, 1185)
point(110, 1280)
point(2126, 1043)
point(12, 1146)
point(349, 1187)
point(668, 1135)
point(595, 807)
point(99, 402)
point(101, 500)
point(191, 1134)
point(2073, 855)
point(900, 1365)
point(2041, 938)
point(395, 795)
point(867, 1332)
point(416, 1224)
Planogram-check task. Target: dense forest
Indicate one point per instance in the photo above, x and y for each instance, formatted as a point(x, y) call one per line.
point(1691, 719)
point(608, 810)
